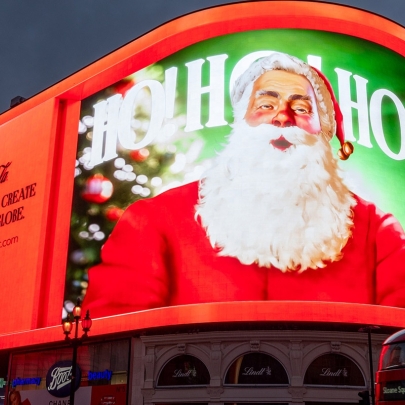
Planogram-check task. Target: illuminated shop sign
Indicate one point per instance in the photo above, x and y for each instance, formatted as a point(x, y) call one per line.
point(17, 196)
point(99, 375)
point(26, 381)
point(59, 377)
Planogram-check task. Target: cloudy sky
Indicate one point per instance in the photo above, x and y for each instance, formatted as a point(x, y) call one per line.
point(42, 42)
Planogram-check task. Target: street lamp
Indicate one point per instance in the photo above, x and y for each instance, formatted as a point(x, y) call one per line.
point(67, 327)
point(368, 329)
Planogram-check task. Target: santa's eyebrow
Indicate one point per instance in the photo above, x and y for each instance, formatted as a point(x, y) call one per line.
point(267, 93)
point(299, 97)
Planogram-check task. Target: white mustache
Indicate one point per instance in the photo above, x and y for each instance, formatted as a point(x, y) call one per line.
point(269, 132)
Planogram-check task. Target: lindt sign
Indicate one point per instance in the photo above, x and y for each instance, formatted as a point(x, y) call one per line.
point(251, 371)
point(59, 377)
point(188, 373)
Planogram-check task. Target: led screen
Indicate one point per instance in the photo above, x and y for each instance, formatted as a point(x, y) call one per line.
point(213, 175)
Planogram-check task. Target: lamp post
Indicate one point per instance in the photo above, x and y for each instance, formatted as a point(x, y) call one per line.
point(368, 329)
point(67, 327)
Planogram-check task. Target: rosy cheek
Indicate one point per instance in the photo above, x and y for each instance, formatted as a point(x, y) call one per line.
point(308, 124)
point(256, 118)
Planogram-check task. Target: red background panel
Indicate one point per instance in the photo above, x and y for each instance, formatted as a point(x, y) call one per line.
point(39, 137)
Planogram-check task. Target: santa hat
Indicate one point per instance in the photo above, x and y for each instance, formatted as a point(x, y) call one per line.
point(330, 116)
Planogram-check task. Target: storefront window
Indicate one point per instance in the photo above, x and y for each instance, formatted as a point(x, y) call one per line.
point(184, 370)
point(256, 368)
point(103, 367)
point(334, 369)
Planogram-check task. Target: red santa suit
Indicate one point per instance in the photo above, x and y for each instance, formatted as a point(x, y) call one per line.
point(159, 255)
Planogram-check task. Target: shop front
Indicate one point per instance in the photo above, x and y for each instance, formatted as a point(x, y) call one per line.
point(304, 366)
point(260, 367)
point(44, 377)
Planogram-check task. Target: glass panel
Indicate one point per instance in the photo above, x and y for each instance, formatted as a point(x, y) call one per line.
point(101, 364)
point(393, 356)
point(184, 370)
point(256, 368)
point(334, 369)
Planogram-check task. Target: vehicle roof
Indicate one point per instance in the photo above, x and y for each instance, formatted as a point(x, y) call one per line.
point(395, 338)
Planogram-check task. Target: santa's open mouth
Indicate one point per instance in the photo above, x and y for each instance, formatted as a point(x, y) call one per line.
point(280, 143)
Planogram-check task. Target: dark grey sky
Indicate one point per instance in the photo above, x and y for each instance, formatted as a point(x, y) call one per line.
point(44, 41)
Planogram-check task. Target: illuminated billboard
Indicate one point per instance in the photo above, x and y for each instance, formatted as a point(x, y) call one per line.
point(211, 206)
point(224, 158)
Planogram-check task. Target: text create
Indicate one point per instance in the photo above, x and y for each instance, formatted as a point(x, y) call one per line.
point(18, 195)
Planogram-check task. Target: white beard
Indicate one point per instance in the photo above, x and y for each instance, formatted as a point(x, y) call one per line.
point(288, 209)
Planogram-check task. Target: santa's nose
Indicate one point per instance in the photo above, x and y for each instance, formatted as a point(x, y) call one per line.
point(284, 118)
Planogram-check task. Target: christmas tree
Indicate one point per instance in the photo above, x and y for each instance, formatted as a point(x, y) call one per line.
point(103, 192)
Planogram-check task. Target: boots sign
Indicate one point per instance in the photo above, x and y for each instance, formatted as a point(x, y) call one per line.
point(59, 377)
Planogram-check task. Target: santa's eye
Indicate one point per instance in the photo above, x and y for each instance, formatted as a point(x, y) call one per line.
point(300, 110)
point(265, 107)
point(301, 107)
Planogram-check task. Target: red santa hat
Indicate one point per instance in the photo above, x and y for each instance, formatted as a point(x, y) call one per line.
point(330, 116)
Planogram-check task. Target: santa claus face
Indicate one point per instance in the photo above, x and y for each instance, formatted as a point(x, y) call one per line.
point(283, 99)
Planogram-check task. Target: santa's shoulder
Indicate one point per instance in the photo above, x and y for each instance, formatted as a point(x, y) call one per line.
point(186, 193)
point(364, 207)
point(177, 199)
point(368, 212)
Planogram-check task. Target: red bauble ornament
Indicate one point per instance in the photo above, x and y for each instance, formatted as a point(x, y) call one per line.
point(113, 213)
point(98, 189)
point(139, 155)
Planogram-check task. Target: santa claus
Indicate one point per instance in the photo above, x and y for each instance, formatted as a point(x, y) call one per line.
point(271, 220)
